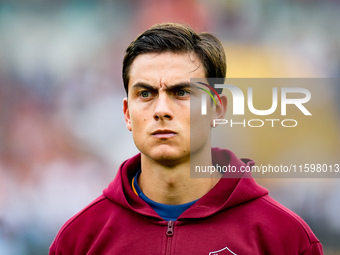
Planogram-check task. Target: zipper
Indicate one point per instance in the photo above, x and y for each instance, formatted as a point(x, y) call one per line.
point(169, 234)
point(170, 229)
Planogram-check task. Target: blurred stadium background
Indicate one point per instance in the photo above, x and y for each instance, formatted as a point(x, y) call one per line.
point(62, 132)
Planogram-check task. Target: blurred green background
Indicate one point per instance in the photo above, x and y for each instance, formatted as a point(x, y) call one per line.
point(62, 131)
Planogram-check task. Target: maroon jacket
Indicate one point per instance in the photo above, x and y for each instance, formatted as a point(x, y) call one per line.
point(236, 217)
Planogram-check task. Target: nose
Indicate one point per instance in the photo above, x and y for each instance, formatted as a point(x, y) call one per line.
point(163, 108)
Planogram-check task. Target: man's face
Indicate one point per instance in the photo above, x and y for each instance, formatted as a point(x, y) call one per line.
point(157, 109)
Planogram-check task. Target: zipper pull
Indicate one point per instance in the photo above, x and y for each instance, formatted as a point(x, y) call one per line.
point(170, 229)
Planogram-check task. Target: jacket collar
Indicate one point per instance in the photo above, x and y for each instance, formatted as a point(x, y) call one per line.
point(226, 193)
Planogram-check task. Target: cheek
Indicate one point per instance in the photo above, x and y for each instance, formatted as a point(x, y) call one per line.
point(139, 121)
point(199, 121)
point(199, 126)
point(136, 115)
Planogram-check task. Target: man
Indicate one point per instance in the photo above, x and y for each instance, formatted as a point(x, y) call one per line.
point(153, 206)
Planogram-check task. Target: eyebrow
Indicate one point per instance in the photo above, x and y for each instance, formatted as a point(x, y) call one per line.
point(181, 85)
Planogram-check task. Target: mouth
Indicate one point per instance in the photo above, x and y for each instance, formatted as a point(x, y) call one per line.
point(163, 133)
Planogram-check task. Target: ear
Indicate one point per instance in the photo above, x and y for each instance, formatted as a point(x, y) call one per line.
point(127, 114)
point(220, 110)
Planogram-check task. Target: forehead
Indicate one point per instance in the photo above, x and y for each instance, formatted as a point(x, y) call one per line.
point(165, 68)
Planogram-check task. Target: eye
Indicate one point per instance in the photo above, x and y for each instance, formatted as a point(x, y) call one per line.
point(182, 93)
point(145, 94)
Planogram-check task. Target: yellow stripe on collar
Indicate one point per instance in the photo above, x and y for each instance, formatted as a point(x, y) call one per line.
point(133, 186)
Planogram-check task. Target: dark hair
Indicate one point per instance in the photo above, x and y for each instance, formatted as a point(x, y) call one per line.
point(178, 38)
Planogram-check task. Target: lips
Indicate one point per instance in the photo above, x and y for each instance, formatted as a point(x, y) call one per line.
point(163, 133)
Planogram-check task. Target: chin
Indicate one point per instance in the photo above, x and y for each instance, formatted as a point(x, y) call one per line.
point(169, 157)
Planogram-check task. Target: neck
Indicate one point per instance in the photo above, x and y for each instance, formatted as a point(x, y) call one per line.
point(172, 184)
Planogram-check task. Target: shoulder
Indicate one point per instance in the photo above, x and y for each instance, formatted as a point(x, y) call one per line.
point(80, 226)
point(281, 212)
point(284, 223)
